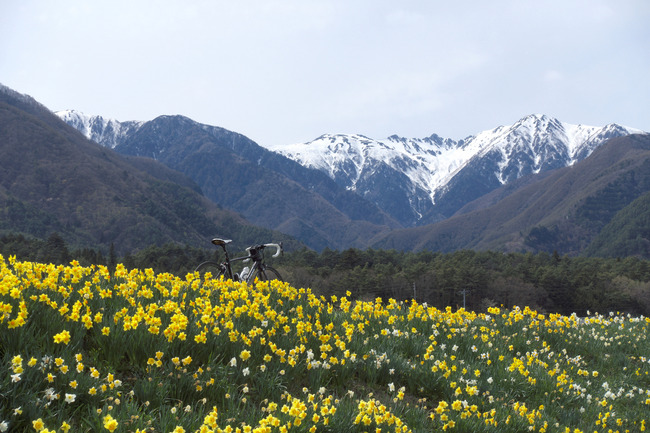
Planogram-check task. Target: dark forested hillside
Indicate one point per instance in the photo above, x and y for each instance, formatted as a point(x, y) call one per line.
point(55, 180)
point(626, 234)
point(478, 280)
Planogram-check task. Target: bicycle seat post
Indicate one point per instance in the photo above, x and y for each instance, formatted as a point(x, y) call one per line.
point(225, 251)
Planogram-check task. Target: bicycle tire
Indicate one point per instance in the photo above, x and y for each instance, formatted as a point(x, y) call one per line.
point(213, 267)
point(266, 274)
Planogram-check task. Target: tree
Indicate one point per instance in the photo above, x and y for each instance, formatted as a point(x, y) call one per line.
point(112, 257)
point(55, 250)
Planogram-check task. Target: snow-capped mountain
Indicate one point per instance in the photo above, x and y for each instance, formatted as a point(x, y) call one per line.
point(414, 180)
point(107, 132)
point(424, 180)
point(265, 187)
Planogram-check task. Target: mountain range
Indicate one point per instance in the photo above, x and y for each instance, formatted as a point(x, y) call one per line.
point(512, 188)
point(265, 187)
point(378, 185)
point(422, 181)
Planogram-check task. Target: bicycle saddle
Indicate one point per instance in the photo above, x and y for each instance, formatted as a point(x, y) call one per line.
point(221, 242)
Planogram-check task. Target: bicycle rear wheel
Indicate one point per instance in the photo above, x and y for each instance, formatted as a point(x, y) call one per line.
point(214, 268)
point(266, 274)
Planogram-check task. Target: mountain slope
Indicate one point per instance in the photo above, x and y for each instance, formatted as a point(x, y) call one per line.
point(54, 179)
point(267, 188)
point(419, 181)
point(627, 234)
point(564, 211)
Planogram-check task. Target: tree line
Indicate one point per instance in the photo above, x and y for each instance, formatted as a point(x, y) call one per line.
point(471, 279)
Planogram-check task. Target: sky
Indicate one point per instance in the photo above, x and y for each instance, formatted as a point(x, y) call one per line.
point(287, 71)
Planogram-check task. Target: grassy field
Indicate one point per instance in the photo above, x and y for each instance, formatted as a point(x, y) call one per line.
point(82, 350)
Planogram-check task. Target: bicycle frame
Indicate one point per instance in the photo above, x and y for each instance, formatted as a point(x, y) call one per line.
point(255, 253)
point(228, 264)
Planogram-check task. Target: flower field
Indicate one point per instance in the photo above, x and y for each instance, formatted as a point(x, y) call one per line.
point(134, 351)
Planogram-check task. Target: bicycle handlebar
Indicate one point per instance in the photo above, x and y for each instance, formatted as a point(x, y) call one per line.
point(278, 249)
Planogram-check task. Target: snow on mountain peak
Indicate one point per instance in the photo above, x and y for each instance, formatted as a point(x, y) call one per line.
point(534, 143)
point(107, 132)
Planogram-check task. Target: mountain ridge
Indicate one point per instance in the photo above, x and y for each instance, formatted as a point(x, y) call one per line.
point(440, 171)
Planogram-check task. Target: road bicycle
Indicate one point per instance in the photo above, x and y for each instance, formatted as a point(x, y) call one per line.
point(259, 269)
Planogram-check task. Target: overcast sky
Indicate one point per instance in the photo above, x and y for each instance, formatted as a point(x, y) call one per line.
point(287, 71)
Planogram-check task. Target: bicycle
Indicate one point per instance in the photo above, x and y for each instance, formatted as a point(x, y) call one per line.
point(259, 269)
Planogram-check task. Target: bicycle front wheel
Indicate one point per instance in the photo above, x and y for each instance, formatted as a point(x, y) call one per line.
point(265, 274)
point(213, 268)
